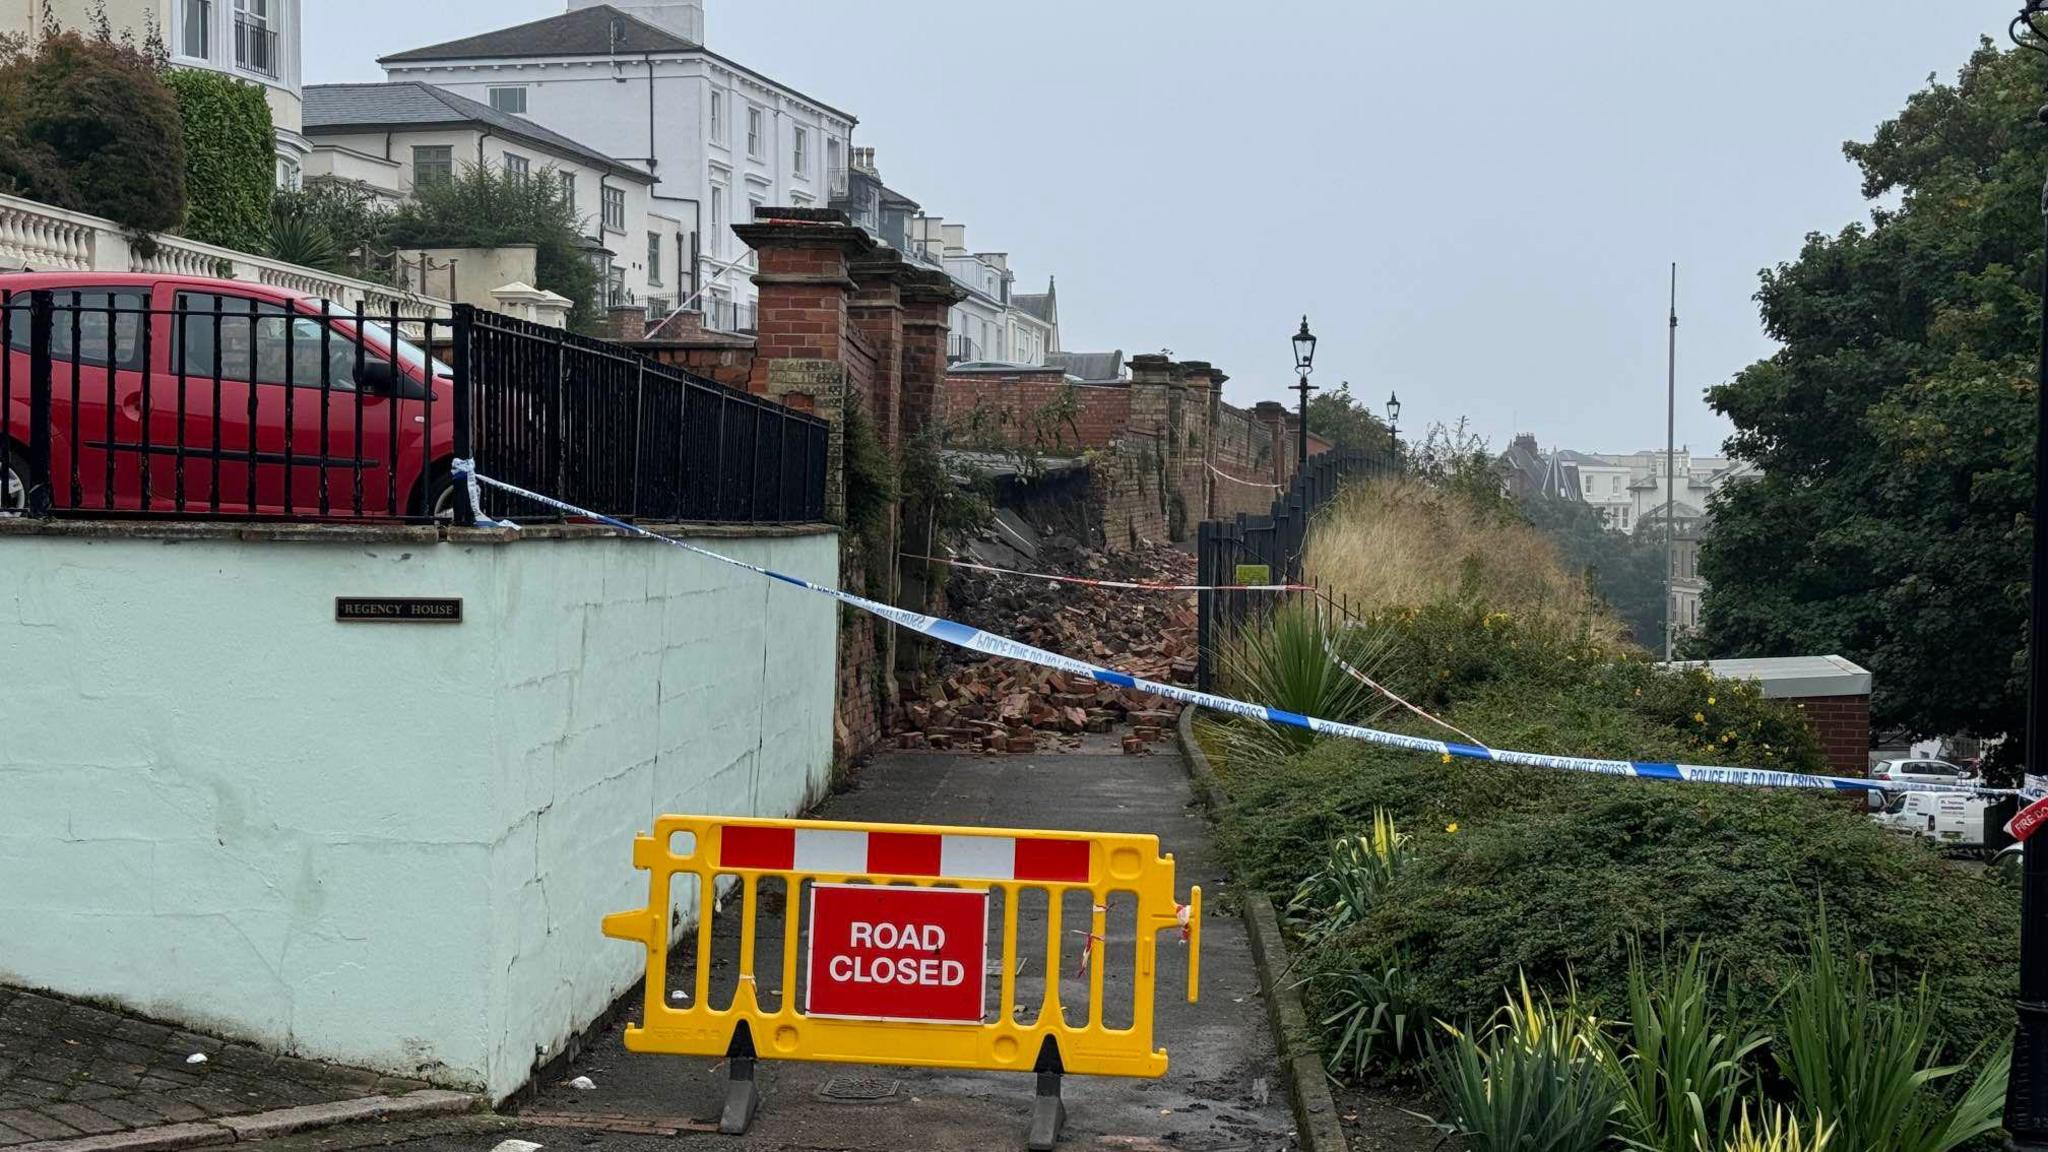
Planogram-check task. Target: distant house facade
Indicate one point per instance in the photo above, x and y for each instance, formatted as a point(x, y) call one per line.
point(635, 81)
point(989, 325)
point(256, 41)
point(390, 138)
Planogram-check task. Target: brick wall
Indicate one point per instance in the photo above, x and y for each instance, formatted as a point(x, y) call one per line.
point(1843, 725)
point(1244, 451)
point(1013, 404)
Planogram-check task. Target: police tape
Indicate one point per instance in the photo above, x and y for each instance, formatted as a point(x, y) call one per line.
point(988, 644)
point(1246, 483)
point(1345, 666)
point(1138, 585)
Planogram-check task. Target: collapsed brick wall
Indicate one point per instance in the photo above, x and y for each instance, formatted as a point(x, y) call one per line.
point(1129, 489)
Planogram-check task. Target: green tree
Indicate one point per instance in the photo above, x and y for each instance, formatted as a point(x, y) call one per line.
point(1625, 570)
point(1337, 416)
point(480, 208)
point(1894, 427)
point(87, 123)
point(230, 158)
point(332, 225)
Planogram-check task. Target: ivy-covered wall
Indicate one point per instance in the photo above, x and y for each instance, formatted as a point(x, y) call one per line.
point(230, 159)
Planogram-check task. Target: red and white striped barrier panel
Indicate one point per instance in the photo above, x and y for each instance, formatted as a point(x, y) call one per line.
point(942, 856)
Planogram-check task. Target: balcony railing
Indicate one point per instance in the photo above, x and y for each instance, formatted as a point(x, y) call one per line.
point(729, 315)
point(255, 47)
point(40, 238)
point(959, 348)
point(836, 181)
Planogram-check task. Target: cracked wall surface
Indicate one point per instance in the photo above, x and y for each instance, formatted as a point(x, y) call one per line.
point(386, 844)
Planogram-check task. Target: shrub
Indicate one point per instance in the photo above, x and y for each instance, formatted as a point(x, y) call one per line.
point(1397, 544)
point(1864, 1061)
point(1530, 1081)
point(1283, 659)
point(1370, 1016)
point(481, 208)
point(1781, 1134)
point(1357, 870)
point(89, 125)
point(1558, 873)
point(230, 159)
point(1681, 1078)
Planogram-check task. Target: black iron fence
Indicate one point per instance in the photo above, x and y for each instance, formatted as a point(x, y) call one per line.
point(131, 402)
point(1271, 546)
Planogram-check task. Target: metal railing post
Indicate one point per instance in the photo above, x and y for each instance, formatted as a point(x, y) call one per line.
point(41, 317)
point(459, 392)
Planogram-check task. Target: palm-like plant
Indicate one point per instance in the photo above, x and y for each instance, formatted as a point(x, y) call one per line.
point(1864, 1061)
point(1355, 874)
point(1530, 1083)
point(1283, 659)
point(1682, 1078)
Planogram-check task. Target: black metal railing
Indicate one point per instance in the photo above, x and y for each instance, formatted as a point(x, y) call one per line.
point(220, 405)
point(1276, 541)
point(255, 47)
point(599, 426)
point(729, 315)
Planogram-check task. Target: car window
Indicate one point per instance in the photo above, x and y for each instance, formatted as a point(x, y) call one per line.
point(83, 321)
point(1934, 768)
point(254, 340)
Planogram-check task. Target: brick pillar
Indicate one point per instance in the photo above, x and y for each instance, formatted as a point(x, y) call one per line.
point(928, 296)
point(800, 336)
point(1273, 415)
point(1198, 438)
point(876, 312)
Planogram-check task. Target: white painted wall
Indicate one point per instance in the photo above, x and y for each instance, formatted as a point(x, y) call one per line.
point(389, 845)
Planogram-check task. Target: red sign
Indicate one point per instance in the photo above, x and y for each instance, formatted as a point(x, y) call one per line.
point(898, 953)
point(2029, 818)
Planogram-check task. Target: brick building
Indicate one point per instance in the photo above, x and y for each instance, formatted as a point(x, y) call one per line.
point(1833, 694)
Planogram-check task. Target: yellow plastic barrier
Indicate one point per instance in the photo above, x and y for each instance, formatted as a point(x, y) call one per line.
point(894, 974)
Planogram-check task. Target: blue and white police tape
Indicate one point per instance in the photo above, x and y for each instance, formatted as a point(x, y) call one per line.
point(975, 640)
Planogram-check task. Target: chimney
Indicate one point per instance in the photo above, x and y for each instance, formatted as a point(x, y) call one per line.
point(956, 237)
point(684, 18)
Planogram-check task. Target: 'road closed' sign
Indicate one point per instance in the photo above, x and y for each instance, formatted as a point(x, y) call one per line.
point(897, 953)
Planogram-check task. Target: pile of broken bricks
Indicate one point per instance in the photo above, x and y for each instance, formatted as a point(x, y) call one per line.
point(1001, 706)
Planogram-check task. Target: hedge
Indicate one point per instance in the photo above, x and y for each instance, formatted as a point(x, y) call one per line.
point(230, 159)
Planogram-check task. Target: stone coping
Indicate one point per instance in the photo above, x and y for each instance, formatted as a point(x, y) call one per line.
point(355, 534)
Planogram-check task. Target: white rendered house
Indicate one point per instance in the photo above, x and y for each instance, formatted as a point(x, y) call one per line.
point(635, 81)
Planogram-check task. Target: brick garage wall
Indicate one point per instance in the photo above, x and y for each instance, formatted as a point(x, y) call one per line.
point(1006, 404)
point(1843, 725)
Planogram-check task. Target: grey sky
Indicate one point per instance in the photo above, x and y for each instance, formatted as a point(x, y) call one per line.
point(1475, 204)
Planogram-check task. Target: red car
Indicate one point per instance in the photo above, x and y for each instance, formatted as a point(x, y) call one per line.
point(170, 393)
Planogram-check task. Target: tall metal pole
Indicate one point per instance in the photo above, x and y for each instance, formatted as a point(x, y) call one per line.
point(1301, 454)
point(1671, 477)
point(2026, 1094)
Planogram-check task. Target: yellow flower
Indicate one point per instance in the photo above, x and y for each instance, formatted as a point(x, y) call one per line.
point(1699, 718)
point(1452, 828)
point(1447, 757)
point(1710, 699)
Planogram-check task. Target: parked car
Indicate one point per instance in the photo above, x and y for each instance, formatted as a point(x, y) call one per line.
point(184, 393)
point(1924, 771)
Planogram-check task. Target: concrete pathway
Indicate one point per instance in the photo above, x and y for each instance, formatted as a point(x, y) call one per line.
point(1222, 1093)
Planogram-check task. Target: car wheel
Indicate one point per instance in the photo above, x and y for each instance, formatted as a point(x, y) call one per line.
point(436, 500)
point(2010, 864)
point(13, 482)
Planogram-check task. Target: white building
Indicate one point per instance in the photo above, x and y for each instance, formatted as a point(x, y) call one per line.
point(635, 81)
point(252, 40)
point(990, 325)
point(391, 137)
point(1629, 490)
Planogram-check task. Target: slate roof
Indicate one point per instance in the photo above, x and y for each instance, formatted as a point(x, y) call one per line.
point(1038, 304)
point(332, 108)
point(1096, 367)
point(599, 31)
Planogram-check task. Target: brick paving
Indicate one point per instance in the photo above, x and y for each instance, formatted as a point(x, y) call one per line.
point(69, 1069)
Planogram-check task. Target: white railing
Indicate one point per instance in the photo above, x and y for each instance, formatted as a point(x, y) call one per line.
point(40, 238)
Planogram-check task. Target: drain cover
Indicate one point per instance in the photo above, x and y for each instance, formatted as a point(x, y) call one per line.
point(860, 1089)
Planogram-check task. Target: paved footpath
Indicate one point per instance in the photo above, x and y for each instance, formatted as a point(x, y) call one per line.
point(1223, 1091)
point(69, 1070)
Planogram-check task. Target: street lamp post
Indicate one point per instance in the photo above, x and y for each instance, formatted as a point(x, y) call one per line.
point(2026, 1094)
point(1304, 363)
point(1394, 425)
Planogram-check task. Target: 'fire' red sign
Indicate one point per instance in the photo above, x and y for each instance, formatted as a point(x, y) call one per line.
point(897, 953)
